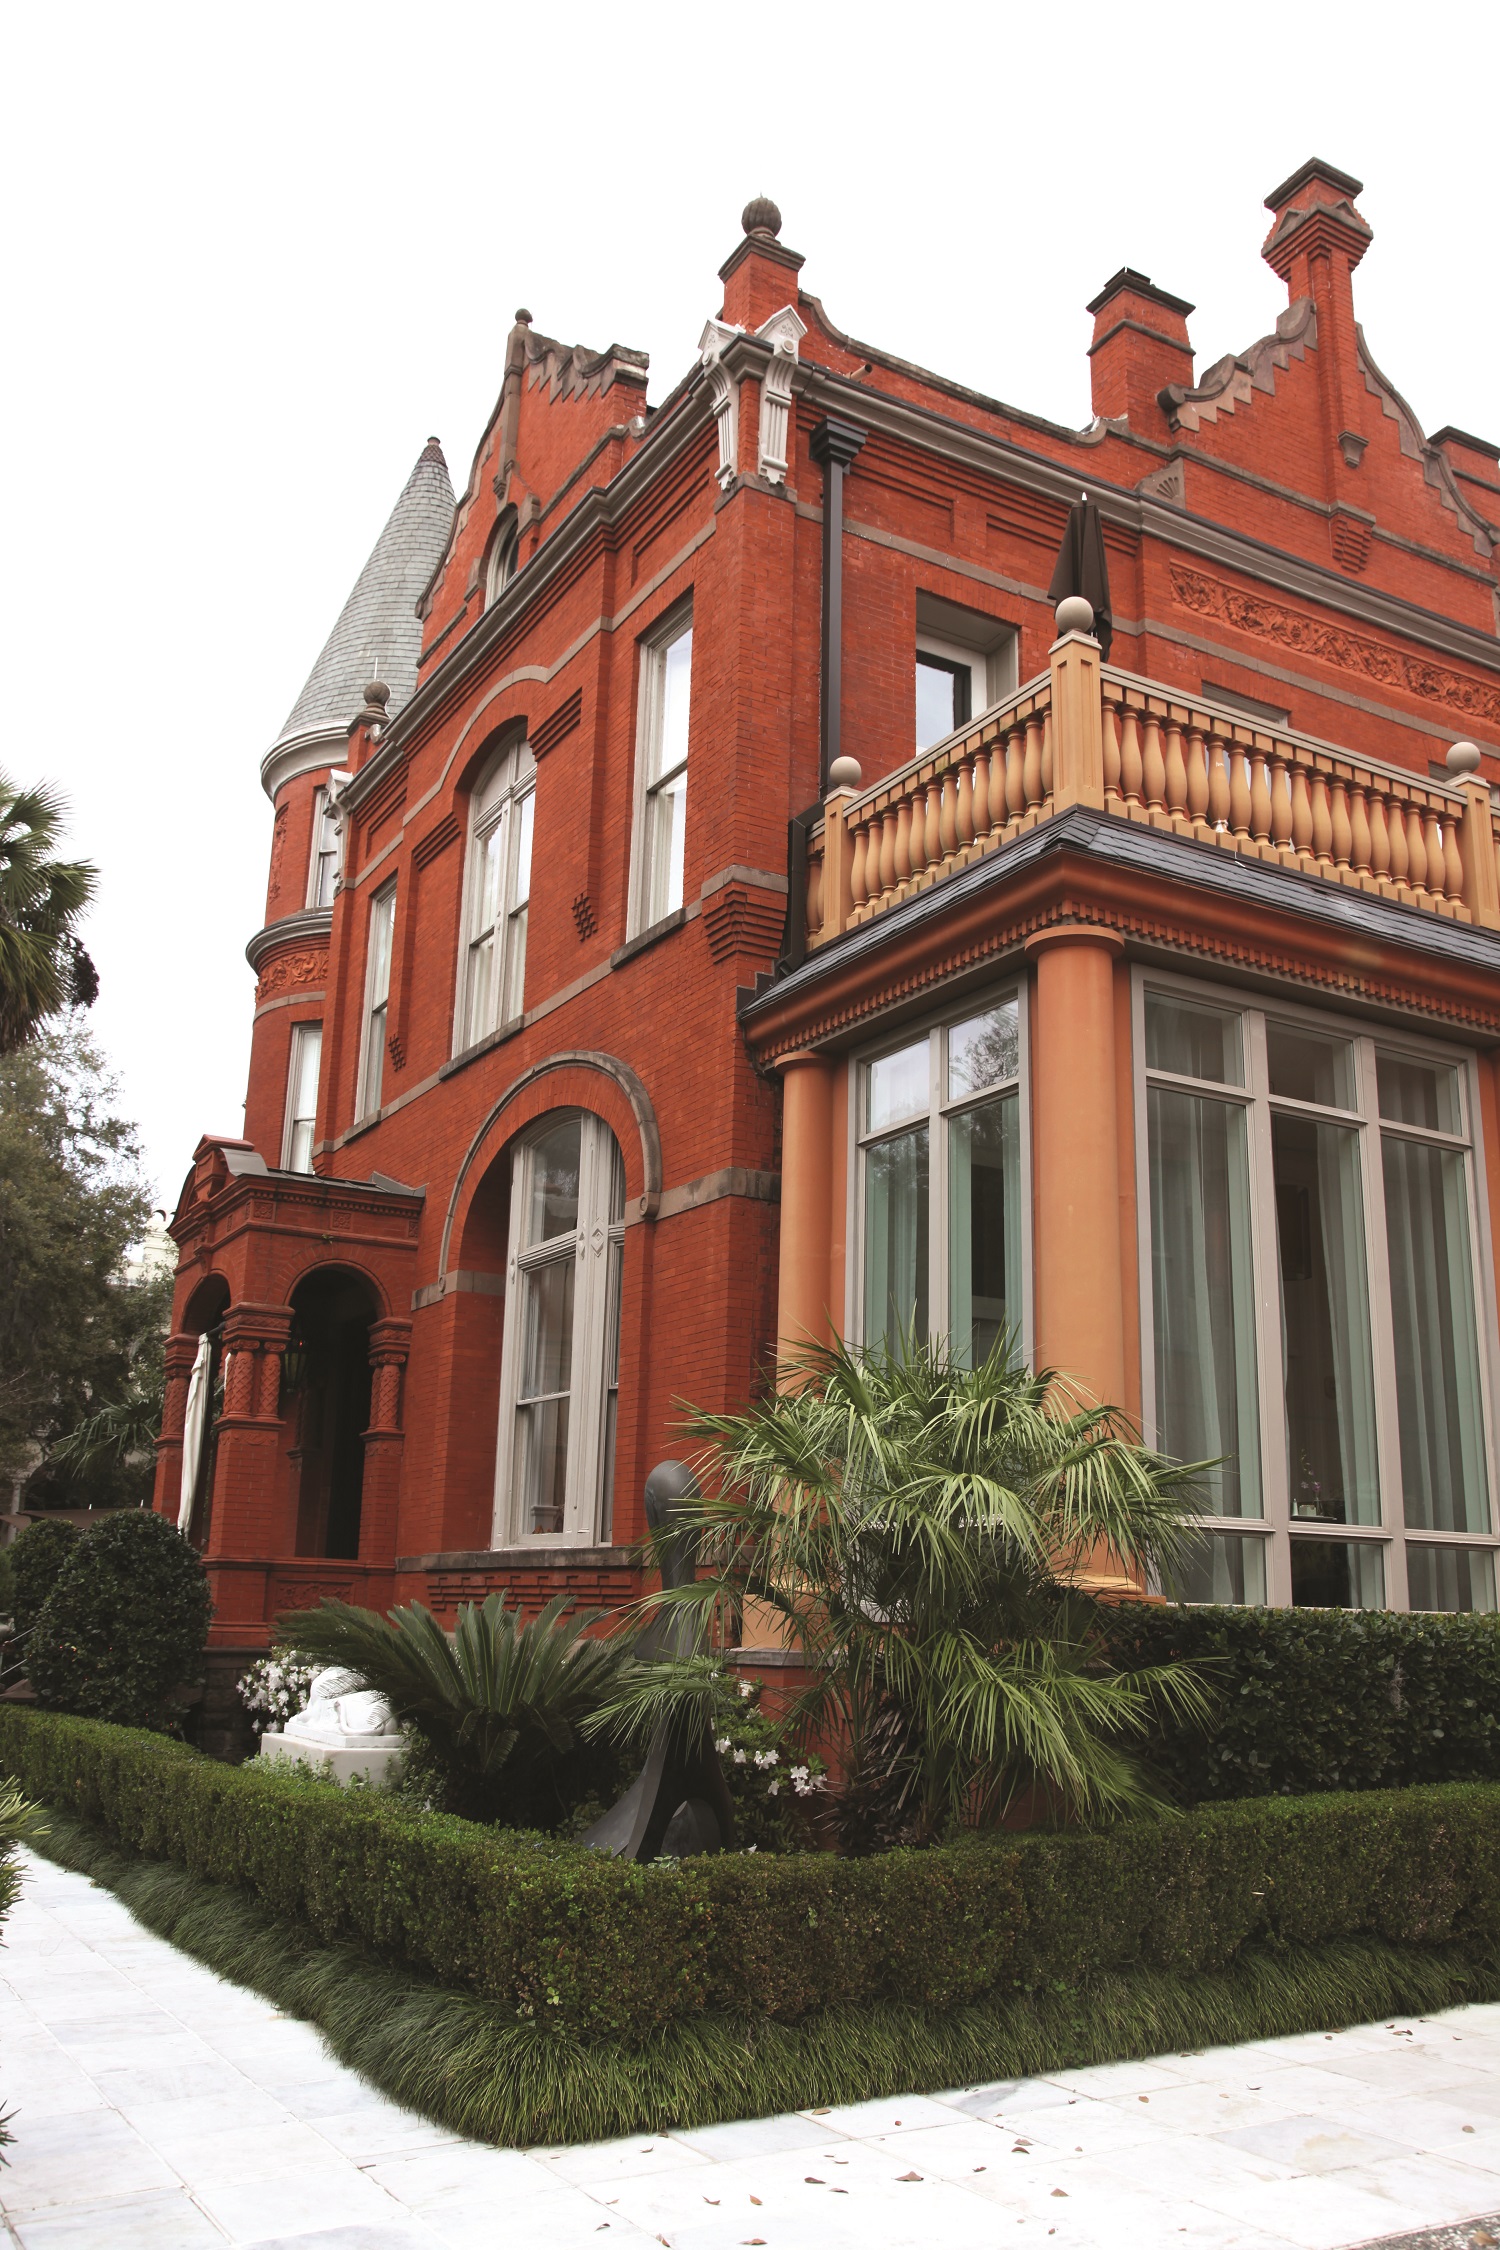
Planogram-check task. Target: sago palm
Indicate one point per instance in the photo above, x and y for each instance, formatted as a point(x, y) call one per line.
point(924, 1530)
point(42, 965)
point(500, 1702)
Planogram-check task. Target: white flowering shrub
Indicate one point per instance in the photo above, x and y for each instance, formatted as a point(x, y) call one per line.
point(274, 1687)
point(765, 1778)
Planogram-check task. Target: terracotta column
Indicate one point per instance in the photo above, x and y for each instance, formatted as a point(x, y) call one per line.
point(1080, 1312)
point(390, 1340)
point(806, 1188)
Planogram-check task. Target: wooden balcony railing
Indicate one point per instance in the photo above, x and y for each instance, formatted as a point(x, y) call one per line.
point(1088, 734)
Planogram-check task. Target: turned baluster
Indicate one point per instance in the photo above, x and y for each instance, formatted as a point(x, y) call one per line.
point(1218, 785)
point(1302, 819)
point(1281, 809)
point(1400, 850)
point(859, 885)
point(1380, 843)
point(981, 795)
point(1342, 838)
point(1154, 772)
point(947, 818)
point(964, 820)
point(1322, 836)
point(1437, 872)
point(886, 854)
point(1359, 835)
point(1260, 803)
point(1111, 752)
point(1197, 781)
point(1046, 796)
point(1239, 798)
point(1453, 864)
point(1130, 761)
point(1416, 854)
point(1176, 780)
point(918, 846)
point(903, 842)
point(932, 841)
point(1015, 776)
point(1031, 770)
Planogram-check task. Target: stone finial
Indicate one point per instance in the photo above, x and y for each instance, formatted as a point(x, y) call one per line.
point(761, 216)
point(1462, 759)
point(523, 317)
point(377, 696)
point(1075, 615)
point(845, 773)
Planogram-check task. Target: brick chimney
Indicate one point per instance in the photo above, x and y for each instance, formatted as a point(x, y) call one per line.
point(1317, 239)
point(761, 275)
point(1140, 345)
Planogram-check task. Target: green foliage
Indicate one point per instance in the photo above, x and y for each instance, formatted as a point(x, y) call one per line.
point(500, 1704)
point(38, 1559)
point(20, 1823)
point(774, 1790)
point(43, 968)
point(468, 2064)
point(125, 1624)
point(601, 1949)
point(912, 1520)
point(7, 1584)
point(1323, 1698)
point(74, 1329)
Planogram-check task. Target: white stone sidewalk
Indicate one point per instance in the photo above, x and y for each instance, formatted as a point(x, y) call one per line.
point(162, 2108)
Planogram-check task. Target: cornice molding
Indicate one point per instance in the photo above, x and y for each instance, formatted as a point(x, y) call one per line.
point(312, 926)
point(301, 753)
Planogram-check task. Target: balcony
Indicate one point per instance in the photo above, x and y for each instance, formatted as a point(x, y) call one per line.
point(1088, 735)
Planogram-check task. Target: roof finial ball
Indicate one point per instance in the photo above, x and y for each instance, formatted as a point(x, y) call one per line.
point(761, 217)
point(1463, 759)
point(1075, 615)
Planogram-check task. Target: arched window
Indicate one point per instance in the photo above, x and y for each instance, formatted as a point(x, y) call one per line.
point(504, 553)
point(497, 888)
point(561, 1360)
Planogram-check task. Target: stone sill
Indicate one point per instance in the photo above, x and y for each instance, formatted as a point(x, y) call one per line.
point(523, 1558)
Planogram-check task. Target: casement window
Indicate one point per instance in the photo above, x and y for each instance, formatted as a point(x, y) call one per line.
point(302, 1097)
point(964, 663)
point(940, 1223)
point(560, 1367)
point(662, 771)
point(1311, 1278)
point(500, 562)
point(327, 851)
point(382, 926)
point(497, 892)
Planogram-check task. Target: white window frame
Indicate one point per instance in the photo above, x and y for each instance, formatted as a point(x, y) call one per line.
point(380, 946)
point(502, 806)
point(939, 1111)
point(325, 861)
point(304, 1035)
point(597, 1247)
point(504, 557)
point(1273, 1527)
point(990, 658)
point(650, 788)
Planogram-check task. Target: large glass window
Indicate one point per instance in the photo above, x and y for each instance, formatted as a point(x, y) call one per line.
point(940, 1184)
point(1312, 1299)
point(560, 1376)
point(302, 1097)
point(377, 998)
point(497, 886)
point(666, 694)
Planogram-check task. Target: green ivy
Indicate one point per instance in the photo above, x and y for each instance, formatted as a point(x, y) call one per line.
point(1314, 1699)
point(597, 1948)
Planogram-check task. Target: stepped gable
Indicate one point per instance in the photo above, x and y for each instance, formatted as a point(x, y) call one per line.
point(378, 629)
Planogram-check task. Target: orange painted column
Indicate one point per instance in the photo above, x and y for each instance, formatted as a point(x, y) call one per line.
point(1080, 1310)
point(802, 1315)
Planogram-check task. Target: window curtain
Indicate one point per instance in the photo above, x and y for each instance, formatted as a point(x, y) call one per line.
point(896, 1185)
point(1437, 1356)
point(1342, 1231)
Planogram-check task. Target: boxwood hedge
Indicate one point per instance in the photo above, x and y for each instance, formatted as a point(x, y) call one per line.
point(1316, 1699)
point(555, 1935)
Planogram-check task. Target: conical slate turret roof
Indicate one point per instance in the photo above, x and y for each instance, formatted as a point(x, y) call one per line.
point(378, 629)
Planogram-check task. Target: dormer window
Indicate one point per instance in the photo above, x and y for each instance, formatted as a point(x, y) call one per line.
point(504, 554)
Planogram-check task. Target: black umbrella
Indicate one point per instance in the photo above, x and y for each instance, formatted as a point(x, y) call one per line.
point(1082, 569)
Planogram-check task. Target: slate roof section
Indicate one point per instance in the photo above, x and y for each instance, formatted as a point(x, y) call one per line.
point(379, 631)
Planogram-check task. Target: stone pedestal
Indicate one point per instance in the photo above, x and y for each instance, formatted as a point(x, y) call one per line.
point(376, 1762)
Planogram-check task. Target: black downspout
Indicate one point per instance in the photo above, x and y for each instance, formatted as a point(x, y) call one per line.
point(833, 445)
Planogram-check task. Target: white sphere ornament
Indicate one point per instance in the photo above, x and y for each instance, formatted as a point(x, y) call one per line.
point(845, 773)
point(1463, 758)
point(1075, 615)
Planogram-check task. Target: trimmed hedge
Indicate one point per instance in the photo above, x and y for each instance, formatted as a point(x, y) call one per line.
point(558, 1936)
point(1315, 1699)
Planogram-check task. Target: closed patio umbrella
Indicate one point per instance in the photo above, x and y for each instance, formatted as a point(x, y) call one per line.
point(195, 1431)
point(1082, 569)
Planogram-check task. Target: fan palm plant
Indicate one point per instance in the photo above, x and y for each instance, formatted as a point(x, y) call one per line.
point(924, 1530)
point(499, 1703)
point(42, 965)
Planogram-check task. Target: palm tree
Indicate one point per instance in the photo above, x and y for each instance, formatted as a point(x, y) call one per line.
point(42, 965)
point(924, 1530)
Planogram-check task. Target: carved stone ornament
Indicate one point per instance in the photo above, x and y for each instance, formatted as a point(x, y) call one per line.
point(289, 970)
point(724, 393)
point(1334, 644)
point(784, 331)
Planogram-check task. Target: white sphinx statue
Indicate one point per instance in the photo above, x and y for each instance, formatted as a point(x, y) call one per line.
point(345, 1727)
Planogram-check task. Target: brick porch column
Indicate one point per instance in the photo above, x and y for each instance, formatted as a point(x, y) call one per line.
point(390, 1341)
point(251, 1512)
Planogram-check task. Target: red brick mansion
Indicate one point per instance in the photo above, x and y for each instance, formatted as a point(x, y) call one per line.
point(717, 897)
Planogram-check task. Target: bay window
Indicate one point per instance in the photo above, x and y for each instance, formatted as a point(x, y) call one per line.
point(941, 1228)
point(560, 1362)
point(497, 893)
point(1310, 1297)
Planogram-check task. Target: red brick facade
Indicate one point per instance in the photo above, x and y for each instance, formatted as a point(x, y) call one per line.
point(1281, 532)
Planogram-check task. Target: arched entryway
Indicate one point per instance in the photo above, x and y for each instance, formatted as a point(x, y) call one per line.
point(325, 1407)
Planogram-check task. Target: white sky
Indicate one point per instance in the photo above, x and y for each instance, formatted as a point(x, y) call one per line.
point(256, 255)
